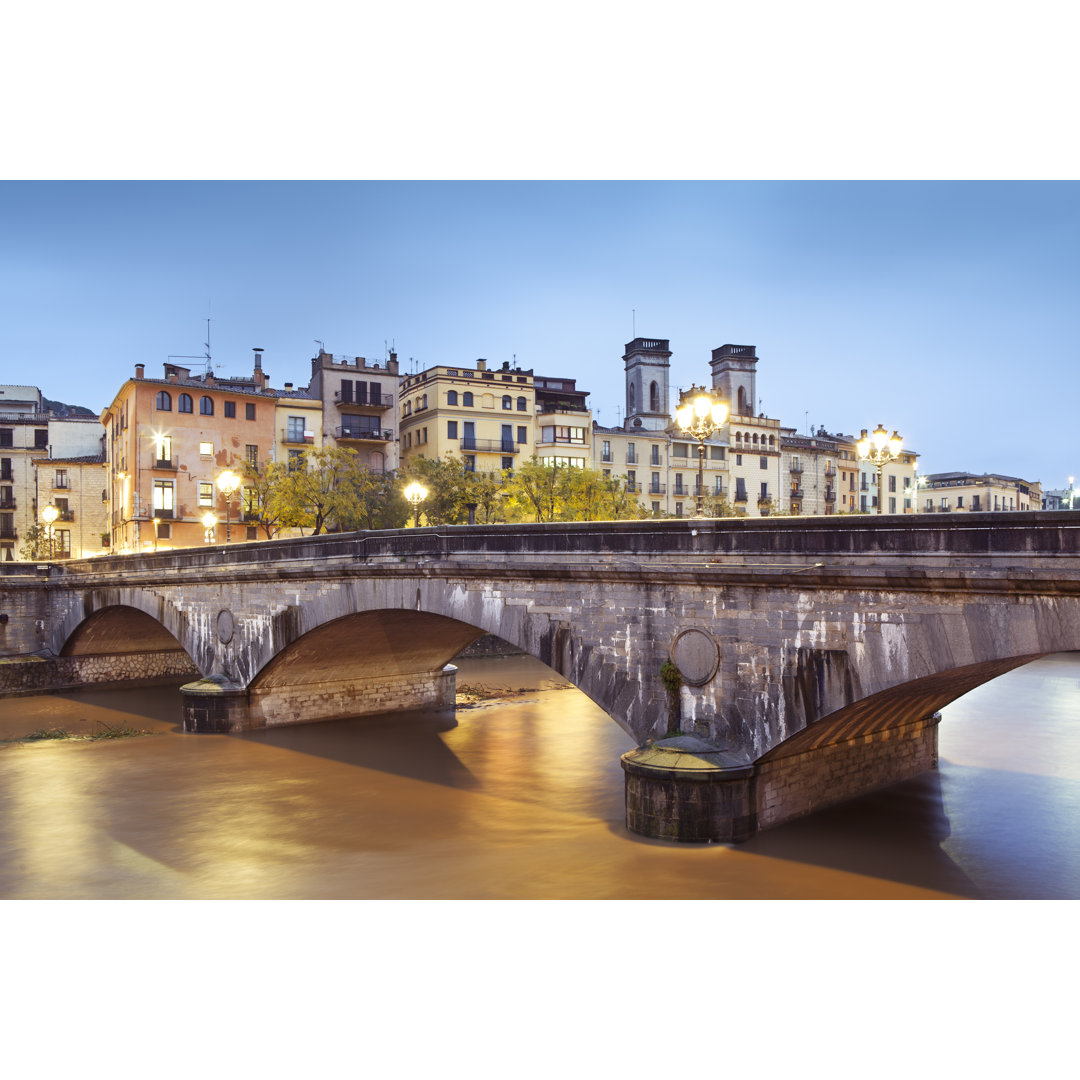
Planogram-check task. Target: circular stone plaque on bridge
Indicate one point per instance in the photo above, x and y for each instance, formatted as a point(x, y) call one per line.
point(224, 626)
point(696, 655)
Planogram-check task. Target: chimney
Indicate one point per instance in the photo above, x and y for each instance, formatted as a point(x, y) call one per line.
point(391, 364)
point(172, 377)
point(481, 365)
point(139, 369)
point(288, 386)
point(260, 378)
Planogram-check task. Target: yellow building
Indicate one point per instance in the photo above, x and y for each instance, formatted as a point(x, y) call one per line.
point(960, 492)
point(486, 419)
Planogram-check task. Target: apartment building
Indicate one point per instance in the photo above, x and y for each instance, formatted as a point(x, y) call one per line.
point(168, 441)
point(961, 492)
point(359, 407)
point(485, 418)
point(563, 423)
point(48, 459)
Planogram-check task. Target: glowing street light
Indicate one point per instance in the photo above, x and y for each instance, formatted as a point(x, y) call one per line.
point(209, 522)
point(228, 483)
point(49, 515)
point(878, 450)
point(416, 494)
point(700, 416)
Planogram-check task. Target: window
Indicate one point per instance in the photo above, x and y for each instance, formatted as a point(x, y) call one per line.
point(423, 435)
point(294, 429)
point(164, 532)
point(251, 453)
point(892, 485)
point(605, 453)
point(654, 397)
point(764, 490)
point(678, 483)
point(716, 453)
point(41, 438)
point(740, 489)
point(249, 411)
point(469, 462)
point(163, 498)
point(184, 405)
point(206, 493)
point(508, 401)
point(506, 436)
point(467, 399)
point(631, 454)
point(451, 397)
point(346, 392)
point(164, 449)
point(468, 435)
point(296, 460)
point(944, 502)
point(738, 459)
point(206, 449)
point(656, 508)
point(230, 409)
point(678, 509)
point(507, 464)
point(680, 449)
point(763, 463)
point(61, 479)
point(63, 540)
point(959, 502)
point(206, 406)
point(523, 434)
point(451, 429)
point(164, 401)
point(892, 505)
point(654, 457)
point(522, 405)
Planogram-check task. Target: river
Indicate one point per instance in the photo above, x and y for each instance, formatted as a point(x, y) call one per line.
point(519, 796)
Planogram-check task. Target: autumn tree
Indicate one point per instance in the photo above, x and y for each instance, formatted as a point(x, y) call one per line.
point(260, 485)
point(448, 486)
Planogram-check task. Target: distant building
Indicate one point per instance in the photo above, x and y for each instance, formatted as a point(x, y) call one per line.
point(961, 492)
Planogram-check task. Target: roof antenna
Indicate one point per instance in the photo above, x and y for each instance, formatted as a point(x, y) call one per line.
point(209, 363)
point(322, 347)
point(633, 323)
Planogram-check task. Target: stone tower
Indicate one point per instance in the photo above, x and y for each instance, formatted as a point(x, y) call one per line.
point(647, 363)
point(734, 377)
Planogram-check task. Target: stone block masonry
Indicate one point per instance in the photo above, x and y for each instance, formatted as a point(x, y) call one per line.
point(47, 675)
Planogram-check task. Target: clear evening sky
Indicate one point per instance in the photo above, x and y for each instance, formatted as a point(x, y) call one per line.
point(947, 310)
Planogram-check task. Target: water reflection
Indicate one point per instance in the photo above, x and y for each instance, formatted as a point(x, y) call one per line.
point(521, 797)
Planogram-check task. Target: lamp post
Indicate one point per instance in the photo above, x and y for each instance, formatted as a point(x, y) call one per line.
point(879, 449)
point(209, 521)
point(49, 515)
point(700, 416)
point(227, 483)
point(157, 522)
point(416, 494)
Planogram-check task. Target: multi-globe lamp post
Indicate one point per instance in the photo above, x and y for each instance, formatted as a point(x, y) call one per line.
point(700, 416)
point(879, 449)
point(416, 494)
point(228, 483)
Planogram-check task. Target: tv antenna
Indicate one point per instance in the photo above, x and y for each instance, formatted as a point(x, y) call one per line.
point(205, 357)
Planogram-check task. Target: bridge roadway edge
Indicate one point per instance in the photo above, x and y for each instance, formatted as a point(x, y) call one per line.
point(796, 662)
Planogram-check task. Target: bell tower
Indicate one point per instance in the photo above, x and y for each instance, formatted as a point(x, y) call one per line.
point(734, 377)
point(647, 363)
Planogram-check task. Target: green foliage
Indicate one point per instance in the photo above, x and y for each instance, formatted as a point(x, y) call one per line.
point(538, 492)
point(46, 733)
point(39, 544)
point(448, 486)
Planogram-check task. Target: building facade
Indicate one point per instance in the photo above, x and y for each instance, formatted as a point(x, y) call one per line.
point(960, 492)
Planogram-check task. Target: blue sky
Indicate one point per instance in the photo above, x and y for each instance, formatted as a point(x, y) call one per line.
point(944, 309)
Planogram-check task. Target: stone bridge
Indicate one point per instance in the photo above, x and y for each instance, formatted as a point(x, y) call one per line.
point(813, 653)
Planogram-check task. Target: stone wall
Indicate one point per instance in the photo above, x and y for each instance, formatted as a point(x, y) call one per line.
point(46, 675)
point(796, 785)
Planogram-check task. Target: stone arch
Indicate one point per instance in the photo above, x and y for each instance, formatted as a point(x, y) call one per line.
point(128, 620)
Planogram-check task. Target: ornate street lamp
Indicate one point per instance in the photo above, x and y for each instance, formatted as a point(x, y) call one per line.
point(49, 515)
point(228, 482)
point(416, 494)
point(700, 416)
point(879, 449)
point(209, 522)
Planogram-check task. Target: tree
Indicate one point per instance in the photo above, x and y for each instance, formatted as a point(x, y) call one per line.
point(262, 482)
point(448, 486)
point(40, 543)
point(377, 501)
point(534, 490)
point(486, 489)
point(319, 492)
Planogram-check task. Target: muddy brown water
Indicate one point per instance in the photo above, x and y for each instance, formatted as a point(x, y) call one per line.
point(518, 796)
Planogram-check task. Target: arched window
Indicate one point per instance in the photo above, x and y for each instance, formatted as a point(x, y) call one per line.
point(742, 401)
point(508, 402)
point(206, 406)
point(738, 437)
point(184, 404)
point(632, 396)
point(772, 441)
point(466, 399)
point(164, 401)
point(654, 398)
point(451, 397)
point(523, 405)
point(755, 438)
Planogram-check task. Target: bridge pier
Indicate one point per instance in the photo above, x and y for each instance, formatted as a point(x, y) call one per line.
point(687, 789)
point(218, 705)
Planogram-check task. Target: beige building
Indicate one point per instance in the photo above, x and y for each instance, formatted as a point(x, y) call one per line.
point(359, 407)
point(47, 459)
point(960, 492)
point(486, 419)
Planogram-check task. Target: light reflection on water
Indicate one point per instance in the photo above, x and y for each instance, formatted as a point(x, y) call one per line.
point(517, 798)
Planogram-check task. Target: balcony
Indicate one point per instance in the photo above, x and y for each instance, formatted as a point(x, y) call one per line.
point(830, 471)
point(8, 504)
point(163, 515)
point(830, 495)
point(383, 401)
point(657, 489)
point(66, 515)
point(796, 492)
point(363, 435)
point(251, 515)
point(491, 446)
point(740, 496)
point(165, 463)
point(297, 438)
point(7, 533)
point(62, 485)
point(633, 487)
point(606, 459)
point(632, 459)
point(795, 467)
